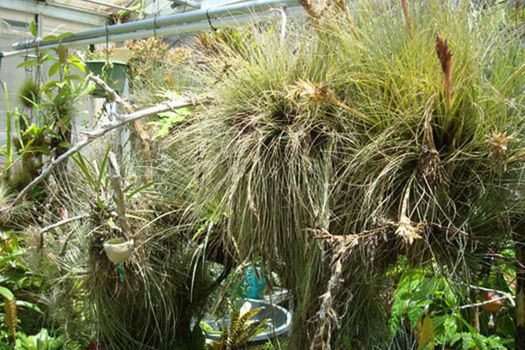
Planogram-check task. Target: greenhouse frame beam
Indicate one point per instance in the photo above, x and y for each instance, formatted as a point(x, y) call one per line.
point(171, 30)
point(155, 25)
point(107, 4)
point(55, 11)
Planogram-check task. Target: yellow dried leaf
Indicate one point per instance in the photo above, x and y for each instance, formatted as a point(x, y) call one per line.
point(425, 333)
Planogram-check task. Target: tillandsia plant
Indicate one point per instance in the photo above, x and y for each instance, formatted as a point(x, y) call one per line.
point(150, 302)
point(44, 127)
point(383, 130)
point(155, 66)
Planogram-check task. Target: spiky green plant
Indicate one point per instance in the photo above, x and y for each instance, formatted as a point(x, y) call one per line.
point(402, 129)
point(29, 93)
point(241, 329)
point(164, 284)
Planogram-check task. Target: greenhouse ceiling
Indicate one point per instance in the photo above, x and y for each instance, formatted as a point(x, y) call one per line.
point(98, 12)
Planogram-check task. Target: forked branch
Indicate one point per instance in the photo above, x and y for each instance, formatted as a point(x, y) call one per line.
point(95, 134)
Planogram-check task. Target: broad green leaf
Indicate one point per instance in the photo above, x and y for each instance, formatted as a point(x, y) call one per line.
point(4, 260)
point(46, 58)
point(63, 35)
point(55, 67)
point(467, 341)
point(80, 66)
point(33, 29)
point(28, 305)
point(64, 145)
point(49, 85)
point(6, 293)
point(28, 63)
point(50, 37)
point(169, 119)
point(75, 77)
point(426, 334)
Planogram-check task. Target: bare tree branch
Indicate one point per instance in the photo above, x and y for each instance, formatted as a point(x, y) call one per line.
point(485, 302)
point(62, 223)
point(112, 94)
point(118, 195)
point(137, 124)
point(95, 134)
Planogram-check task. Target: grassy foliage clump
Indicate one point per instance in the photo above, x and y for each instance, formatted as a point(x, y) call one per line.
point(368, 135)
point(156, 67)
point(149, 301)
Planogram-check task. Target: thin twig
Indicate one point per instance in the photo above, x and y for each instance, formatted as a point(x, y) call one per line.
point(63, 222)
point(508, 296)
point(56, 225)
point(95, 134)
point(481, 303)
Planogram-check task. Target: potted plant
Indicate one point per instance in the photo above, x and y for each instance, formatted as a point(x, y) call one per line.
point(118, 250)
point(111, 65)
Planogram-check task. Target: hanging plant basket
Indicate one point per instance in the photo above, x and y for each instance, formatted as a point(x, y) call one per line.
point(118, 250)
point(114, 73)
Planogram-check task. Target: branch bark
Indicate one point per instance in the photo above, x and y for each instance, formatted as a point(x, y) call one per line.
point(95, 134)
point(137, 124)
point(112, 94)
point(118, 195)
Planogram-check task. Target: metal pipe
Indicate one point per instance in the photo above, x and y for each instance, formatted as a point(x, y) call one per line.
point(102, 3)
point(171, 30)
point(154, 24)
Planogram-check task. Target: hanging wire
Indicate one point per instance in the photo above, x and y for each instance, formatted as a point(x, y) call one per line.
point(29, 69)
point(155, 26)
point(106, 66)
point(157, 11)
point(107, 45)
point(35, 113)
point(38, 70)
point(209, 20)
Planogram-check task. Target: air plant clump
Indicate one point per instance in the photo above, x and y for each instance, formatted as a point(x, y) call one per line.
point(499, 143)
point(357, 127)
point(154, 66)
point(145, 303)
point(29, 93)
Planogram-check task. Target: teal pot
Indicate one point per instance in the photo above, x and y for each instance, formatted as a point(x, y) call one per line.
point(113, 73)
point(253, 284)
